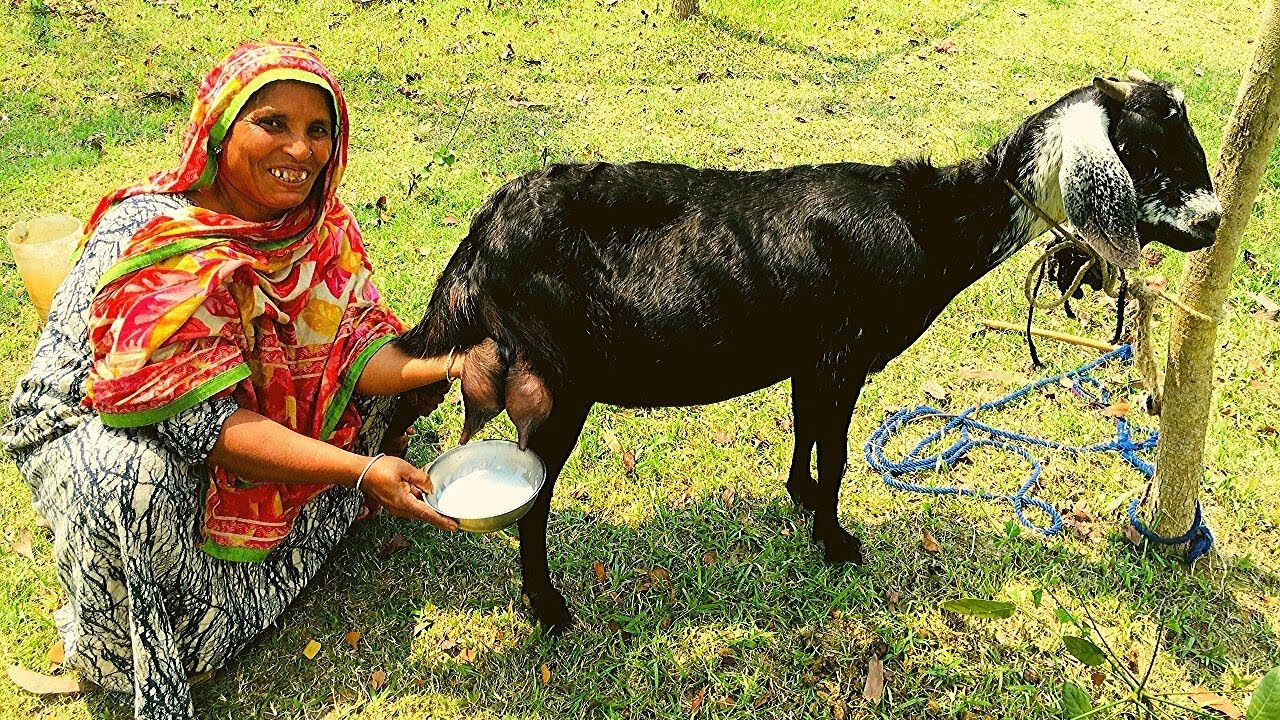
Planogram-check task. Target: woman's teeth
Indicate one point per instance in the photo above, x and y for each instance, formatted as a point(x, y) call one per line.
point(290, 176)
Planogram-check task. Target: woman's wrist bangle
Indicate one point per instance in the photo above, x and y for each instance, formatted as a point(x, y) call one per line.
point(367, 468)
point(448, 366)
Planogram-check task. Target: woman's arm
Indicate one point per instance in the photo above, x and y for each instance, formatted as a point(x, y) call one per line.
point(262, 450)
point(392, 371)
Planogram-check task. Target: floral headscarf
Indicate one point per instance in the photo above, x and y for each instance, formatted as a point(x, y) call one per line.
point(280, 314)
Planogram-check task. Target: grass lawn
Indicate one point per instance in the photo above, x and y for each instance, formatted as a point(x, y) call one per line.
point(744, 617)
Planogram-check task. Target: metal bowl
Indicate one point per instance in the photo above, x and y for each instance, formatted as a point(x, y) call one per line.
point(497, 456)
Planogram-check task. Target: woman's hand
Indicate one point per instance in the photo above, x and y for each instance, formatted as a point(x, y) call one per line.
point(399, 487)
point(410, 406)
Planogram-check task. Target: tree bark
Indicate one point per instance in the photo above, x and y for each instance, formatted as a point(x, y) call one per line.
point(1184, 419)
point(684, 9)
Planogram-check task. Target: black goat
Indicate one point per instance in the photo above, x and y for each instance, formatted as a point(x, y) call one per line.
point(652, 285)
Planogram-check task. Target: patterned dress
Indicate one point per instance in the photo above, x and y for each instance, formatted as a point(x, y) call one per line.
point(145, 606)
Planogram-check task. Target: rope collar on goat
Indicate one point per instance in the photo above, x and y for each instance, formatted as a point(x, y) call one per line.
point(1114, 284)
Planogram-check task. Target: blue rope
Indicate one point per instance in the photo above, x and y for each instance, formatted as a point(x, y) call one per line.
point(1084, 385)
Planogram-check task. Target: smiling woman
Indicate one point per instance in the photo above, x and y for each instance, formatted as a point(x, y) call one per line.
point(204, 413)
point(273, 153)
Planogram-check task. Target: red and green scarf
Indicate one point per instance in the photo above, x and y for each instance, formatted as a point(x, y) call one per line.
point(281, 315)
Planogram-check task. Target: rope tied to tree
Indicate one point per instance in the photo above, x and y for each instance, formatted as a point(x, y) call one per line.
point(1128, 443)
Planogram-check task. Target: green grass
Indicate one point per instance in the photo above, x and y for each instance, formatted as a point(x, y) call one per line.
point(766, 622)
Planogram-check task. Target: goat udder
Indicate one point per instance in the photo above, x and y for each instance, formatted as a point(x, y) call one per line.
point(483, 386)
point(528, 401)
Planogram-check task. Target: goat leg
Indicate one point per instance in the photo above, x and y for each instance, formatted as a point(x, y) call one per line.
point(833, 455)
point(801, 486)
point(552, 441)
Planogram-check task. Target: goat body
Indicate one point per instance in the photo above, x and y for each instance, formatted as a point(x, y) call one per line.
point(654, 285)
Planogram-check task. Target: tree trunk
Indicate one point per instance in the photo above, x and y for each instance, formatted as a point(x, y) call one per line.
point(1184, 419)
point(684, 9)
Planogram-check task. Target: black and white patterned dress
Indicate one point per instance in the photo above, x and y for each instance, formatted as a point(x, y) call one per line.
point(145, 607)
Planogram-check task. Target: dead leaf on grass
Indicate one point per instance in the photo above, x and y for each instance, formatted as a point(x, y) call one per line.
point(1208, 699)
point(934, 390)
point(40, 684)
point(873, 690)
point(57, 653)
point(1132, 535)
point(893, 597)
point(22, 544)
point(929, 542)
point(611, 441)
point(545, 672)
point(977, 374)
point(709, 557)
point(947, 47)
point(353, 638)
point(395, 544)
point(727, 496)
point(697, 701)
point(309, 652)
point(598, 569)
point(628, 462)
point(377, 680)
point(1117, 410)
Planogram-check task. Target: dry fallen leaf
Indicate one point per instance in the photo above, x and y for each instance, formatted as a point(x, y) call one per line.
point(449, 220)
point(611, 441)
point(56, 653)
point(1208, 699)
point(697, 701)
point(1117, 410)
point(976, 374)
point(546, 674)
point(873, 690)
point(38, 684)
point(762, 700)
point(628, 462)
point(394, 545)
point(723, 438)
point(353, 638)
point(467, 655)
point(1066, 382)
point(309, 652)
point(1132, 535)
point(893, 597)
point(728, 496)
point(1097, 678)
point(934, 390)
point(22, 545)
point(598, 569)
point(930, 544)
point(658, 574)
point(377, 680)
point(448, 643)
point(947, 46)
point(709, 557)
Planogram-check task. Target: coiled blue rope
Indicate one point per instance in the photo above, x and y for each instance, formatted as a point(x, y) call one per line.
point(1083, 384)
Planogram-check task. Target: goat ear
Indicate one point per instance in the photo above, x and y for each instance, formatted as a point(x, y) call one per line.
point(1138, 76)
point(1097, 192)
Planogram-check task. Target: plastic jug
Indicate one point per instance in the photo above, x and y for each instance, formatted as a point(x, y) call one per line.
point(42, 251)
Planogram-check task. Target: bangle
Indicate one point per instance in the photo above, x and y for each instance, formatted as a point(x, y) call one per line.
point(448, 365)
point(367, 468)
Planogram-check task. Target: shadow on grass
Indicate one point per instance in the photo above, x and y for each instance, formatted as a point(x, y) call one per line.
point(742, 605)
point(860, 66)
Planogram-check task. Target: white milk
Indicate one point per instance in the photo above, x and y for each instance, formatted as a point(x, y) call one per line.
point(482, 493)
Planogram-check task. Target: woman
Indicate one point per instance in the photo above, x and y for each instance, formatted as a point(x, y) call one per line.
point(201, 418)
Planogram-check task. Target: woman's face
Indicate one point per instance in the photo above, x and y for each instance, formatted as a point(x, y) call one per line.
point(275, 151)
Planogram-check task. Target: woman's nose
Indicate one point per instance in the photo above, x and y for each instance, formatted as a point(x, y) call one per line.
point(298, 148)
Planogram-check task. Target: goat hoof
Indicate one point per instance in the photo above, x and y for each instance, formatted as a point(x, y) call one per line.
point(550, 610)
point(840, 547)
point(802, 490)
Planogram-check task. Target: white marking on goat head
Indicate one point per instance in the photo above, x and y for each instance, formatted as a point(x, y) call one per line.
point(1097, 193)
